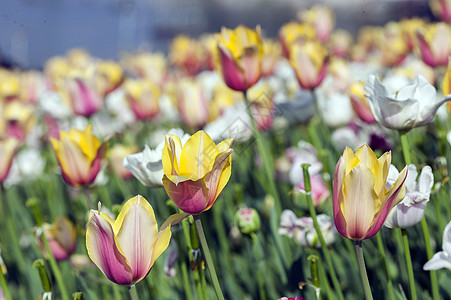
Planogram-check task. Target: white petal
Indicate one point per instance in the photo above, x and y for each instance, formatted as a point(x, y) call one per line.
point(426, 180)
point(440, 260)
point(447, 239)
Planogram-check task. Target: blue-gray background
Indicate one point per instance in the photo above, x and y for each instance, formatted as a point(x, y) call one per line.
point(31, 31)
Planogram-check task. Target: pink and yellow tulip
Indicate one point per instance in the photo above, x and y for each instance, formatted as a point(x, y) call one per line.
point(361, 202)
point(435, 44)
point(80, 155)
point(125, 249)
point(240, 54)
point(196, 173)
point(142, 96)
point(309, 61)
point(62, 238)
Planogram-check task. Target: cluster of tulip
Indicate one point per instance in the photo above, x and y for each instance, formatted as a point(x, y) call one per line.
point(308, 115)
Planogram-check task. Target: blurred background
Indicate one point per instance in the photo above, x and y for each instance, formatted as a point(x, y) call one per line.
point(31, 31)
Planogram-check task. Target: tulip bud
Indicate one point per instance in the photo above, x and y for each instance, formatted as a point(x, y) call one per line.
point(248, 220)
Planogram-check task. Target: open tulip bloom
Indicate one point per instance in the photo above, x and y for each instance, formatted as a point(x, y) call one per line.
point(361, 203)
point(125, 249)
point(412, 106)
point(195, 174)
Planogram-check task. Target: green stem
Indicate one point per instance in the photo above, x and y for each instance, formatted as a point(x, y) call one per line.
point(380, 246)
point(186, 284)
point(88, 198)
point(413, 292)
point(4, 286)
point(206, 250)
point(324, 247)
point(133, 292)
point(424, 226)
point(363, 275)
point(265, 155)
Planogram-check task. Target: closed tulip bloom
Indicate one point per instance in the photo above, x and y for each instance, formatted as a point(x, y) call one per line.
point(125, 249)
point(108, 76)
point(441, 9)
point(195, 174)
point(192, 103)
point(80, 90)
point(412, 208)
point(240, 54)
point(361, 203)
point(309, 61)
point(295, 32)
point(142, 96)
point(80, 155)
point(8, 148)
point(62, 238)
point(412, 106)
point(322, 18)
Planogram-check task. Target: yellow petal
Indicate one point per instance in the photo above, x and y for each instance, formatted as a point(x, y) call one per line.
point(198, 156)
point(366, 156)
point(350, 160)
point(224, 145)
point(171, 154)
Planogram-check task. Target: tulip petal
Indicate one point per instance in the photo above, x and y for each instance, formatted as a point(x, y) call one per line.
point(440, 260)
point(232, 74)
point(65, 234)
point(198, 156)
point(381, 168)
point(361, 203)
point(340, 222)
point(103, 251)
point(447, 239)
point(218, 177)
point(191, 196)
point(136, 233)
point(391, 199)
point(366, 156)
point(171, 154)
point(250, 62)
point(96, 164)
point(224, 145)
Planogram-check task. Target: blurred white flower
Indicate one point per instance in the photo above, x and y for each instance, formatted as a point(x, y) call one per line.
point(441, 259)
point(411, 209)
point(28, 164)
point(147, 165)
point(411, 106)
point(303, 231)
point(305, 153)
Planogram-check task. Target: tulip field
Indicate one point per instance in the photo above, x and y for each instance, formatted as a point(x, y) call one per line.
point(309, 165)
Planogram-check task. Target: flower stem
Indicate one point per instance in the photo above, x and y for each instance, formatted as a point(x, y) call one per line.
point(380, 246)
point(265, 155)
point(324, 247)
point(133, 292)
point(206, 250)
point(363, 275)
point(413, 292)
point(88, 198)
point(424, 226)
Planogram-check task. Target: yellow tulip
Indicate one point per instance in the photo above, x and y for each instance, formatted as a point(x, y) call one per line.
point(80, 155)
point(361, 203)
point(196, 173)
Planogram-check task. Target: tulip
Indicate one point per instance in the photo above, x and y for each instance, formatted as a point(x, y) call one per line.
point(147, 166)
point(320, 192)
point(9, 85)
point(435, 44)
point(80, 155)
point(271, 56)
point(142, 96)
point(187, 54)
point(195, 174)
point(191, 103)
point(412, 208)
point(322, 18)
point(441, 9)
point(360, 103)
point(441, 259)
point(8, 148)
point(361, 202)
point(409, 28)
point(341, 42)
point(240, 54)
point(310, 62)
point(412, 106)
point(294, 32)
point(84, 99)
point(62, 238)
point(248, 221)
point(20, 119)
point(125, 249)
point(146, 65)
point(108, 77)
